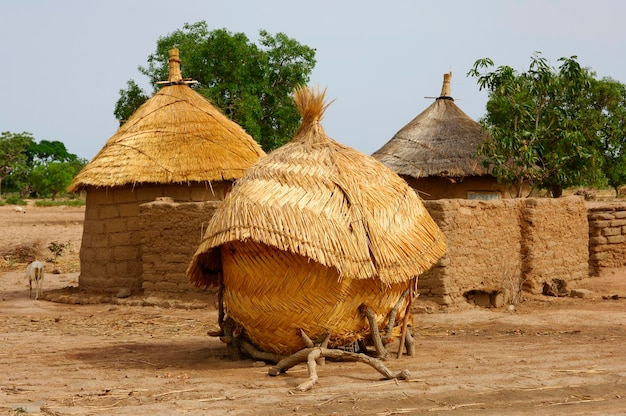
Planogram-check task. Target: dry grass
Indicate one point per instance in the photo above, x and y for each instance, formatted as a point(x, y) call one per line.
point(21, 253)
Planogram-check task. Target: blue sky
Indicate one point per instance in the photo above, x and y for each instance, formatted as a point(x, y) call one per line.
point(64, 61)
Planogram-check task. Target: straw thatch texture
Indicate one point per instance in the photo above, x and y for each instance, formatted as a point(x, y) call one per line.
point(177, 136)
point(312, 231)
point(274, 294)
point(332, 204)
point(441, 141)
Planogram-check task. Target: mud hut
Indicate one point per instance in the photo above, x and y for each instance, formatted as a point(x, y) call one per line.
point(176, 146)
point(313, 237)
point(436, 153)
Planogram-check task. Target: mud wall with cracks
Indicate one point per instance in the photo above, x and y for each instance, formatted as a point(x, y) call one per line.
point(498, 248)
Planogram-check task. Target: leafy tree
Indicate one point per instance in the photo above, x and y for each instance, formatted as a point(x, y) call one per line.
point(250, 83)
point(610, 99)
point(543, 124)
point(77, 163)
point(52, 178)
point(130, 100)
point(47, 151)
point(18, 181)
point(13, 157)
point(27, 166)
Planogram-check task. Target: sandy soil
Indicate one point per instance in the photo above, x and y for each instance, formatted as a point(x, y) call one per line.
point(549, 356)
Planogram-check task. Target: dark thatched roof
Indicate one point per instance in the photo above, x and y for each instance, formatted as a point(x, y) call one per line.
point(441, 141)
point(177, 136)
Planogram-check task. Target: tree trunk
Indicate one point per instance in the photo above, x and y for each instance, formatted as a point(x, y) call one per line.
point(556, 191)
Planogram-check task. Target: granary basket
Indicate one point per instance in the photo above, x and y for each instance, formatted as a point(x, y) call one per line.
point(318, 239)
point(275, 294)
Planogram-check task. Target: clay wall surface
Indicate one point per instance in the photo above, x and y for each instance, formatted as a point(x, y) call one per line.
point(171, 232)
point(496, 247)
point(432, 188)
point(483, 248)
point(110, 254)
point(607, 236)
point(556, 241)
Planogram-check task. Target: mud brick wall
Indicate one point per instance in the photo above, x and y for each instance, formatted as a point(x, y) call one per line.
point(483, 248)
point(111, 248)
point(607, 236)
point(555, 243)
point(171, 233)
point(496, 247)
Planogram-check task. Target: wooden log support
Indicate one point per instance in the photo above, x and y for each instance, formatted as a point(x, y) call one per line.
point(381, 351)
point(409, 343)
point(387, 338)
point(407, 312)
point(257, 354)
point(323, 344)
point(220, 300)
point(305, 338)
point(232, 338)
point(309, 344)
point(311, 355)
point(288, 362)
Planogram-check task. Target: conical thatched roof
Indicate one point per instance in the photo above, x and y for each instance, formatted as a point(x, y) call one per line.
point(177, 136)
point(329, 203)
point(441, 141)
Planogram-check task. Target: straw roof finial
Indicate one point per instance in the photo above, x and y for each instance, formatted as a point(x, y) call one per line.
point(175, 74)
point(310, 103)
point(445, 89)
point(175, 77)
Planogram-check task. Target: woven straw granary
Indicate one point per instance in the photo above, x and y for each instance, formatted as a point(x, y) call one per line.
point(176, 145)
point(436, 152)
point(309, 234)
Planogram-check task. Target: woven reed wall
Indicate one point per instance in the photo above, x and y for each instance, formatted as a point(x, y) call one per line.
point(170, 235)
point(607, 236)
point(493, 246)
point(110, 254)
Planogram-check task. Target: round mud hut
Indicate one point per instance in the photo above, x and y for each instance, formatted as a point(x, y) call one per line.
point(316, 241)
point(436, 153)
point(177, 146)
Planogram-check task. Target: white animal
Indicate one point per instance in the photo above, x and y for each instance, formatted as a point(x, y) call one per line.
point(34, 272)
point(20, 209)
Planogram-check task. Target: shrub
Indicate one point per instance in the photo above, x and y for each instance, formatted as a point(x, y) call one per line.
point(67, 202)
point(15, 200)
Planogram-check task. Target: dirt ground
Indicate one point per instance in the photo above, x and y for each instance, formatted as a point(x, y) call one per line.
point(549, 356)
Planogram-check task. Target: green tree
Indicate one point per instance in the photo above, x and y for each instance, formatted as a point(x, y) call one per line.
point(542, 123)
point(609, 97)
point(47, 151)
point(130, 100)
point(13, 153)
point(27, 166)
point(52, 178)
point(251, 84)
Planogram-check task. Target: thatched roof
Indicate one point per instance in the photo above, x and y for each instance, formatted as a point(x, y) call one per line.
point(329, 203)
point(177, 136)
point(441, 141)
